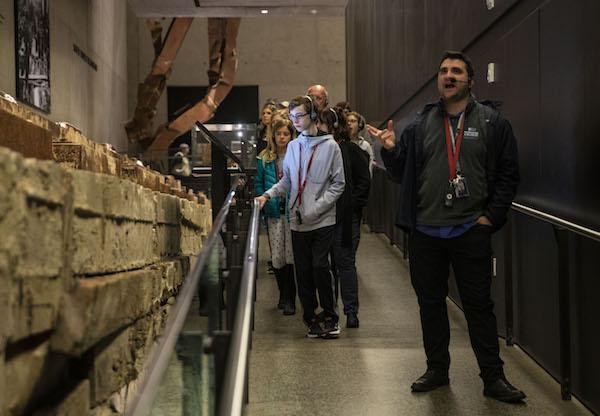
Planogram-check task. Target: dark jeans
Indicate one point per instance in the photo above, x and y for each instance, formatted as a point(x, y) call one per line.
point(311, 250)
point(471, 258)
point(344, 259)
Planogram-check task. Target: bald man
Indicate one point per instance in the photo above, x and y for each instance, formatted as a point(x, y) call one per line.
point(319, 92)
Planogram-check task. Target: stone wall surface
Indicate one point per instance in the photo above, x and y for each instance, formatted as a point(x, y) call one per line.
point(89, 266)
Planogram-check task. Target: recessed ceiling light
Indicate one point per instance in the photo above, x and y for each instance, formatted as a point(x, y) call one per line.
point(314, 11)
point(264, 11)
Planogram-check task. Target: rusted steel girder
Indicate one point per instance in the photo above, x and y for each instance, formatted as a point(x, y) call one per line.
point(222, 37)
point(139, 129)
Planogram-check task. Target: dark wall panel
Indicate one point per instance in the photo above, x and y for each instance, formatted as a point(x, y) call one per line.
point(548, 60)
point(586, 312)
point(403, 39)
point(536, 285)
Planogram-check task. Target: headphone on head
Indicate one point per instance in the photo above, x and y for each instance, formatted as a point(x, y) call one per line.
point(336, 122)
point(312, 112)
point(361, 123)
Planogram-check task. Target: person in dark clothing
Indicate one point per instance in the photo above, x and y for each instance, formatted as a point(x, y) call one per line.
point(457, 164)
point(348, 211)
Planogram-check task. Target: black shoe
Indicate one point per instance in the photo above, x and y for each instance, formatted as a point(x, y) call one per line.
point(331, 329)
point(289, 309)
point(352, 320)
point(503, 391)
point(314, 329)
point(431, 380)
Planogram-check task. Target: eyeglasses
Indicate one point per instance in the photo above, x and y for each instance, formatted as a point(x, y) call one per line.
point(296, 117)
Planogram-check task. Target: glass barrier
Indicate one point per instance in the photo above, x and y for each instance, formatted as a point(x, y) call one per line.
point(237, 141)
point(180, 377)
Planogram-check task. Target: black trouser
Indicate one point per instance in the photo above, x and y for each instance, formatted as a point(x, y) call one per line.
point(311, 250)
point(344, 256)
point(471, 258)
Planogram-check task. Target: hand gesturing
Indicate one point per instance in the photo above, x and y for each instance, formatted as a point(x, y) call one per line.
point(387, 137)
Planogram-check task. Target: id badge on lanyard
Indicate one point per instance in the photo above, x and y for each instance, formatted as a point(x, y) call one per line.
point(457, 183)
point(302, 183)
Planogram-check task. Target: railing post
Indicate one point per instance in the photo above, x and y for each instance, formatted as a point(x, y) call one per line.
point(218, 346)
point(564, 308)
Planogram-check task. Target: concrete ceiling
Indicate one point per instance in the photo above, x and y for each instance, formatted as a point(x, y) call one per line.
point(237, 8)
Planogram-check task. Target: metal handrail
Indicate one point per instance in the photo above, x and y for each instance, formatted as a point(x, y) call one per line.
point(578, 229)
point(162, 352)
point(232, 394)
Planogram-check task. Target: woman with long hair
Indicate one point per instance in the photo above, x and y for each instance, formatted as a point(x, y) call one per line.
point(264, 125)
point(269, 170)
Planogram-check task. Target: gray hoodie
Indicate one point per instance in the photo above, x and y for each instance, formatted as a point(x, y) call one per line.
point(324, 184)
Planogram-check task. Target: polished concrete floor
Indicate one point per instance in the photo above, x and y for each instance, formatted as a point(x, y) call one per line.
point(368, 371)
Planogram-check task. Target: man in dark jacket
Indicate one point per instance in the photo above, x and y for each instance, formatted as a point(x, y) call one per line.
point(458, 168)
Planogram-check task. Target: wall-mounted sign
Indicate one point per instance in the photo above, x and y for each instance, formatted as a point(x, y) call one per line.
point(32, 44)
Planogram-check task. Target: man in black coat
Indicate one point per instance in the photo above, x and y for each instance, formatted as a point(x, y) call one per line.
point(458, 168)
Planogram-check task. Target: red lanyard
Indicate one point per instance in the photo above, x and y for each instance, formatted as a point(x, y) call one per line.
point(302, 184)
point(452, 148)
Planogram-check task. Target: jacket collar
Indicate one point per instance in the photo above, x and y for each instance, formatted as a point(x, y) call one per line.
point(442, 110)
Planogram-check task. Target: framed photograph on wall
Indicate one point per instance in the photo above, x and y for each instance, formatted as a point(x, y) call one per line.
point(32, 53)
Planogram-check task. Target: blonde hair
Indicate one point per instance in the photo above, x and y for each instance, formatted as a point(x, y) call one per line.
point(277, 115)
point(269, 154)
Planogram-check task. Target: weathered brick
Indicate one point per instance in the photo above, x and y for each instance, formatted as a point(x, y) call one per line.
point(35, 303)
point(192, 213)
point(76, 403)
point(128, 245)
point(41, 240)
point(125, 199)
point(88, 192)
point(12, 203)
point(144, 176)
point(167, 209)
point(118, 364)
point(87, 240)
point(144, 333)
point(99, 306)
point(168, 240)
point(102, 410)
point(191, 241)
point(112, 368)
point(3, 398)
point(90, 155)
point(25, 131)
point(24, 370)
point(35, 281)
point(107, 246)
point(44, 181)
point(5, 298)
point(173, 273)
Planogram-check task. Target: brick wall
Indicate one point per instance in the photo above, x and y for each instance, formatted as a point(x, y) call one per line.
point(89, 266)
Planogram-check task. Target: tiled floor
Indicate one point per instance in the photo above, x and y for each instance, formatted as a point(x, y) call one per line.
point(368, 371)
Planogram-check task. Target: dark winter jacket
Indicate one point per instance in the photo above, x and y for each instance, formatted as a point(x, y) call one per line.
point(356, 193)
point(405, 161)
